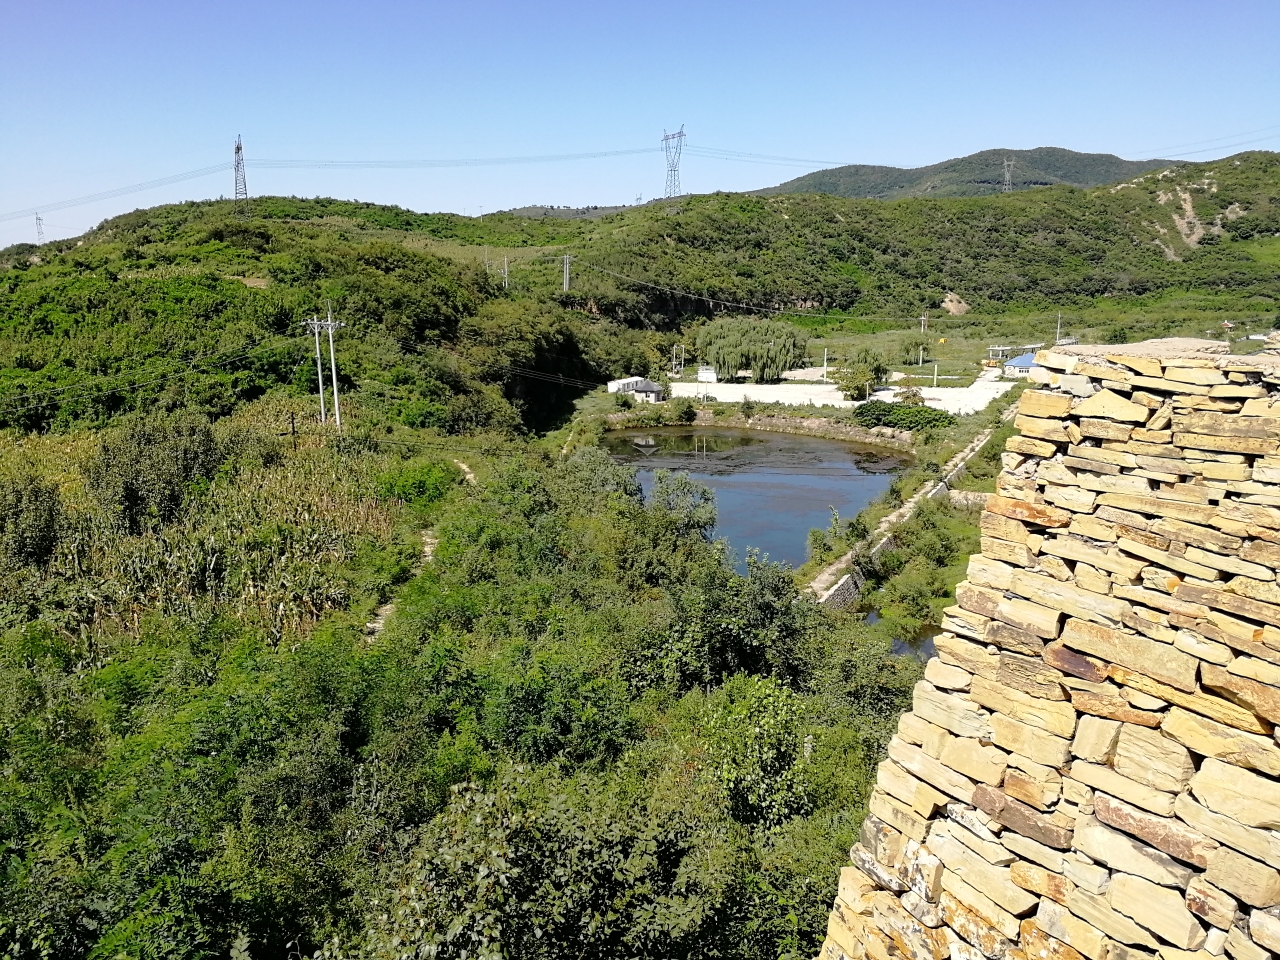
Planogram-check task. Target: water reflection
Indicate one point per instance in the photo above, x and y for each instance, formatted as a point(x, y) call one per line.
point(770, 488)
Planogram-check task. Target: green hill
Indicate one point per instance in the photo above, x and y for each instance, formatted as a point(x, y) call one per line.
point(976, 175)
point(451, 683)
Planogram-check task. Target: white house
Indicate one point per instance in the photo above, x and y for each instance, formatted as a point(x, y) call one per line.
point(645, 391)
point(1019, 368)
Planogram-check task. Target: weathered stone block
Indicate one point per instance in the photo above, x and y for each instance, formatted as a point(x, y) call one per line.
point(1053, 716)
point(986, 908)
point(1212, 739)
point(931, 771)
point(1036, 879)
point(1094, 909)
point(1259, 844)
point(961, 716)
point(1246, 797)
point(1207, 901)
point(1062, 924)
point(974, 928)
point(1264, 929)
point(1133, 651)
point(1032, 742)
point(1149, 757)
point(1108, 781)
point(1164, 833)
point(944, 676)
point(1159, 909)
point(1033, 850)
point(1019, 817)
point(988, 879)
point(968, 656)
point(1121, 852)
point(1255, 883)
point(982, 763)
point(1095, 739)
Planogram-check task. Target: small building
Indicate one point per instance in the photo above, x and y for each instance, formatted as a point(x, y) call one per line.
point(644, 391)
point(1020, 367)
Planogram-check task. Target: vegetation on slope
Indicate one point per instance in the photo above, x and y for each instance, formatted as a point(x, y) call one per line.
point(580, 732)
point(979, 174)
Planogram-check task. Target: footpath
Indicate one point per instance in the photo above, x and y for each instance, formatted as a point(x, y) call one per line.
point(830, 585)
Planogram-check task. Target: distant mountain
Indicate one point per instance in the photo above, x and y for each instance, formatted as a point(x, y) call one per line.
point(973, 176)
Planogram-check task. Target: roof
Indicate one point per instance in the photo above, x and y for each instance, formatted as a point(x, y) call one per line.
point(1026, 360)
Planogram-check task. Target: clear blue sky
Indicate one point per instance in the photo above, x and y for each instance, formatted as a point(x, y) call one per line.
point(102, 95)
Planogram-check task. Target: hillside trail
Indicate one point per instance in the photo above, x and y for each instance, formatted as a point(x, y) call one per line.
point(429, 543)
point(829, 576)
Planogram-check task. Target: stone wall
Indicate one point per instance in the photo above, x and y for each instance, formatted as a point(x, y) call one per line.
point(1089, 769)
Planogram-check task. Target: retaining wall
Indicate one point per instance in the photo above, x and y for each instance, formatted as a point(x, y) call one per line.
point(1090, 767)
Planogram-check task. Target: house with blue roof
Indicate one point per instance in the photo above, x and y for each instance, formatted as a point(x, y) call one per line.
point(1020, 367)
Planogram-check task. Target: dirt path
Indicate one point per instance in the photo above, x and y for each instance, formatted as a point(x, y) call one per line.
point(383, 613)
point(830, 576)
point(466, 471)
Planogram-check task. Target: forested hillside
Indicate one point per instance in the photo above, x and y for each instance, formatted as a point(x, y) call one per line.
point(449, 684)
point(979, 174)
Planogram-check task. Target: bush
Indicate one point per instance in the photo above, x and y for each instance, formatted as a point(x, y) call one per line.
point(879, 413)
point(683, 410)
point(419, 482)
point(756, 750)
point(623, 401)
point(749, 408)
point(30, 510)
point(144, 474)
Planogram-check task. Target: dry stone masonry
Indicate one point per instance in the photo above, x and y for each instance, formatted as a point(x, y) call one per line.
point(1090, 769)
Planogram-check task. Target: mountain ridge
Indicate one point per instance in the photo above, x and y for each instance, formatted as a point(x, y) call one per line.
point(975, 175)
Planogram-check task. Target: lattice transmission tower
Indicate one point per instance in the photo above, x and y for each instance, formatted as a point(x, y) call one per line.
point(39, 230)
point(242, 189)
point(1008, 176)
point(672, 145)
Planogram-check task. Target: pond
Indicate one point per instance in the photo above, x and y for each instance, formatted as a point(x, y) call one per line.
point(771, 488)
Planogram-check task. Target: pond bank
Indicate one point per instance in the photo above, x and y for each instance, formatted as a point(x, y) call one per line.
point(823, 427)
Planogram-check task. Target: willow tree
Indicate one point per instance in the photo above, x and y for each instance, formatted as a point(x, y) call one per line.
point(767, 347)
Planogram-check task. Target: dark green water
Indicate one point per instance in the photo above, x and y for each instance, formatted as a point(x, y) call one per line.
point(771, 488)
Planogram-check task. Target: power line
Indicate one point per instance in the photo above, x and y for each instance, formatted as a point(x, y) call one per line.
point(117, 192)
point(461, 162)
point(672, 146)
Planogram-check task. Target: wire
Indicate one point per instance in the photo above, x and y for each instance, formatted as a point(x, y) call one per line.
point(420, 164)
point(117, 192)
point(1196, 143)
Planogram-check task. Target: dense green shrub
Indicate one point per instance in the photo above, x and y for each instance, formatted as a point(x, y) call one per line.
point(683, 410)
point(420, 482)
point(30, 509)
point(144, 473)
point(879, 413)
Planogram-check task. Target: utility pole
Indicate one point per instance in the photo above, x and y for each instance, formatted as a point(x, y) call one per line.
point(566, 273)
point(1059, 336)
point(328, 325)
point(39, 230)
point(314, 325)
point(333, 365)
point(924, 321)
point(824, 363)
point(920, 364)
point(504, 273)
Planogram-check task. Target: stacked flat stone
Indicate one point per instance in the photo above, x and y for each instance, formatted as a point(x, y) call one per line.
point(1090, 767)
